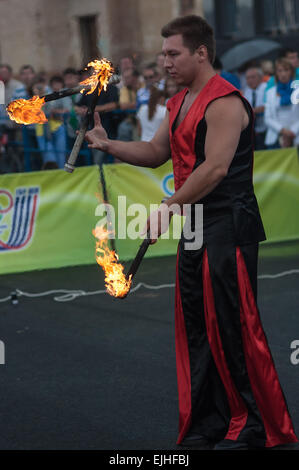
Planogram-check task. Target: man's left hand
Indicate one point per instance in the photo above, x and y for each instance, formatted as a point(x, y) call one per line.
point(157, 223)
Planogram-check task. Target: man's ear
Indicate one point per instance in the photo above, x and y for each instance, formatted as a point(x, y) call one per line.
point(202, 53)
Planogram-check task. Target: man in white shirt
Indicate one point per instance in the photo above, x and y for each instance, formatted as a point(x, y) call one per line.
point(254, 93)
point(10, 85)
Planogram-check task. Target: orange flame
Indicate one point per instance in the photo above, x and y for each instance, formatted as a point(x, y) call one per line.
point(27, 111)
point(30, 112)
point(116, 282)
point(102, 72)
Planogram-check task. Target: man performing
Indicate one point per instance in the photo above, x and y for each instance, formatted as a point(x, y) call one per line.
point(229, 391)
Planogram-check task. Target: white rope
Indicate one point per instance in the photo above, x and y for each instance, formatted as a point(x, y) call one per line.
point(67, 295)
point(5, 299)
point(275, 276)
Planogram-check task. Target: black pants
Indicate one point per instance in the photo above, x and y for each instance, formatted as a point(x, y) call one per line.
point(227, 383)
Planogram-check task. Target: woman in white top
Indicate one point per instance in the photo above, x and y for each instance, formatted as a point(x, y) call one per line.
point(281, 115)
point(151, 115)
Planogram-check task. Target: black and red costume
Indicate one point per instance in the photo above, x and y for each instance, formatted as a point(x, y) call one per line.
point(227, 383)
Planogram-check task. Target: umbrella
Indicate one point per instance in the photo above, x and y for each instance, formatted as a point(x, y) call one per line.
point(248, 50)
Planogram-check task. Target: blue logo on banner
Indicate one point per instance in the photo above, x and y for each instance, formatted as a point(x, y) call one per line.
point(17, 215)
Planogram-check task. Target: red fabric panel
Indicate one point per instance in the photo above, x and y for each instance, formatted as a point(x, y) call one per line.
point(182, 363)
point(261, 370)
point(237, 406)
point(182, 140)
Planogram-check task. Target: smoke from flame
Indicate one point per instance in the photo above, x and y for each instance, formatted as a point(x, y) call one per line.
point(116, 282)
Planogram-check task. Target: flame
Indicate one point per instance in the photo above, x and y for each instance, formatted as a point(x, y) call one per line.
point(27, 111)
point(115, 280)
point(102, 72)
point(30, 112)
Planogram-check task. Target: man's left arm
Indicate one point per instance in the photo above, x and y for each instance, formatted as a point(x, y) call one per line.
point(224, 118)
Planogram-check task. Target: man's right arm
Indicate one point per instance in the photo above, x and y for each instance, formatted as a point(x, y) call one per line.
point(148, 154)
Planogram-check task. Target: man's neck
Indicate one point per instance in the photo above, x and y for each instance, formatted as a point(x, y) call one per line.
point(201, 80)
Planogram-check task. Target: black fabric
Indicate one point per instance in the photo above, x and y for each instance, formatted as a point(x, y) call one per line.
point(234, 196)
point(210, 410)
point(107, 118)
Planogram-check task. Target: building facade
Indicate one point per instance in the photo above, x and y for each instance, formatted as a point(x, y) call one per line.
point(53, 35)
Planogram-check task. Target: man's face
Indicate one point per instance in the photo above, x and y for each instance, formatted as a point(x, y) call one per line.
point(283, 74)
point(150, 77)
point(27, 76)
point(253, 78)
point(5, 74)
point(71, 80)
point(179, 62)
point(128, 77)
point(292, 57)
point(126, 63)
point(57, 85)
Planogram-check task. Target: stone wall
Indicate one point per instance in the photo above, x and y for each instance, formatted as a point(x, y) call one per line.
point(47, 34)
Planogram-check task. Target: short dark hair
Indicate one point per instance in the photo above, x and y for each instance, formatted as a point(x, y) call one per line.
point(27, 66)
point(70, 71)
point(195, 31)
point(7, 66)
point(56, 78)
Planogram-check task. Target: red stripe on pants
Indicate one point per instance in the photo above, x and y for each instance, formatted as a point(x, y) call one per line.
point(182, 363)
point(237, 406)
point(261, 370)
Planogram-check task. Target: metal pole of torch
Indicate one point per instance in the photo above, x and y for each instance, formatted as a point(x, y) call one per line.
point(140, 255)
point(70, 164)
point(56, 95)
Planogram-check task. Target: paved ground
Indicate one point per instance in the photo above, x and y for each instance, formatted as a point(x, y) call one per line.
point(99, 373)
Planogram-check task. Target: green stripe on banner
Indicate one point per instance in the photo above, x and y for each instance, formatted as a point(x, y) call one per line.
point(140, 186)
point(276, 183)
point(46, 219)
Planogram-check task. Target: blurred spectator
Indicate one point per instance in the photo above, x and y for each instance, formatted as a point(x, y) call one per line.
point(71, 79)
point(127, 101)
point(230, 77)
point(150, 78)
point(10, 85)
point(292, 56)
point(171, 88)
point(161, 71)
point(58, 111)
point(27, 76)
point(151, 115)
point(267, 67)
point(107, 102)
point(125, 63)
point(254, 93)
point(42, 131)
point(128, 92)
point(281, 116)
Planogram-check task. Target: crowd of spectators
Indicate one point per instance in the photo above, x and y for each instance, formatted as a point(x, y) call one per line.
point(135, 107)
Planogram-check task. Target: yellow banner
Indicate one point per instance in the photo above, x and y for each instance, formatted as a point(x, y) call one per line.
point(46, 219)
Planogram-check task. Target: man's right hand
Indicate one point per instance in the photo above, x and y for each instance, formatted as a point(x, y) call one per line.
point(97, 137)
